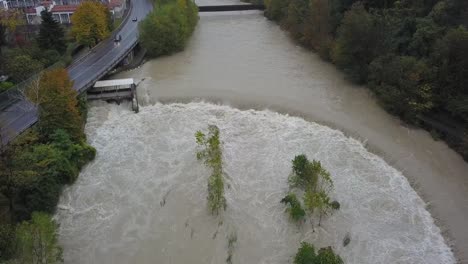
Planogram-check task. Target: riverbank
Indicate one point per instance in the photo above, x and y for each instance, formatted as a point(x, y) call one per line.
point(244, 60)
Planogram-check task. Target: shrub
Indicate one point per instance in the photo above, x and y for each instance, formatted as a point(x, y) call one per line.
point(167, 28)
point(306, 255)
point(7, 236)
point(212, 156)
point(295, 209)
point(37, 240)
point(5, 86)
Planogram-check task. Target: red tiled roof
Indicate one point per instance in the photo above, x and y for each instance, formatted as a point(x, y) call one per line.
point(46, 3)
point(114, 3)
point(64, 8)
point(30, 11)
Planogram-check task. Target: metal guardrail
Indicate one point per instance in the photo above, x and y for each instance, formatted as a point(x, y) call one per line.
point(14, 94)
point(225, 8)
point(108, 68)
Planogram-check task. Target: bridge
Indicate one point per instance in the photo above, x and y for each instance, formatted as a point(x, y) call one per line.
point(18, 114)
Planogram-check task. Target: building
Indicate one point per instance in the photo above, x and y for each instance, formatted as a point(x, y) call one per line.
point(63, 13)
point(62, 10)
point(21, 3)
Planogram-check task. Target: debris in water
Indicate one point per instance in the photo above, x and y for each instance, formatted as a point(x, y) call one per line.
point(346, 240)
point(232, 240)
point(163, 201)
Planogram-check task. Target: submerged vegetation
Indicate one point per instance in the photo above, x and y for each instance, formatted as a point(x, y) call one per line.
point(168, 27)
point(295, 209)
point(211, 154)
point(316, 183)
point(307, 255)
point(413, 55)
point(36, 166)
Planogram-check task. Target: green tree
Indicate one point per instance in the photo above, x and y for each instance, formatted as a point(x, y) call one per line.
point(276, 9)
point(403, 85)
point(306, 255)
point(451, 58)
point(316, 181)
point(7, 238)
point(319, 28)
point(327, 256)
point(91, 23)
point(51, 34)
point(58, 105)
point(295, 209)
point(211, 154)
point(22, 67)
point(318, 201)
point(15, 174)
point(360, 39)
point(37, 241)
point(167, 29)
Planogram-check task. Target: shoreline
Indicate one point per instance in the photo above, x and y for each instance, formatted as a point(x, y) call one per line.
point(295, 81)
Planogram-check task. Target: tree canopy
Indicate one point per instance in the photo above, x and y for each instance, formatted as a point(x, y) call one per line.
point(37, 241)
point(167, 28)
point(411, 54)
point(306, 255)
point(91, 23)
point(51, 34)
point(58, 105)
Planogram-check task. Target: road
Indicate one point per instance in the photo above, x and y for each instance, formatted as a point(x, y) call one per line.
point(83, 72)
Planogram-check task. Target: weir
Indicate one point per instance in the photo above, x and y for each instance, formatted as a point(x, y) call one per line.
point(224, 8)
point(115, 90)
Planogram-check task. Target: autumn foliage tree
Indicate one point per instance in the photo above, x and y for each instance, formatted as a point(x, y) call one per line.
point(58, 105)
point(91, 23)
point(9, 20)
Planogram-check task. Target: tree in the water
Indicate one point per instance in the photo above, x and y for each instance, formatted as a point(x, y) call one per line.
point(316, 182)
point(51, 34)
point(307, 255)
point(211, 154)
point(295, 209)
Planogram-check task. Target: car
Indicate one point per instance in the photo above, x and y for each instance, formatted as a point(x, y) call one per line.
point(118, 38)
point(135, 19)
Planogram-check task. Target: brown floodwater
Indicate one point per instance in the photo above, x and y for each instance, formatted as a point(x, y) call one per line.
point(240, 60)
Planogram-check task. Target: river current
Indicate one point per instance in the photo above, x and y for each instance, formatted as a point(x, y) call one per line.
point(143, 199)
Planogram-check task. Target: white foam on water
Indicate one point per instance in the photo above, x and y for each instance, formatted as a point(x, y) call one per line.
point(143, 199)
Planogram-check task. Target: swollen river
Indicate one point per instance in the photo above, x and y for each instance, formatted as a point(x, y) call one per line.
point(143, 200)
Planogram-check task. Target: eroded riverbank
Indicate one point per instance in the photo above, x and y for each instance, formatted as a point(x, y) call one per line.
point(243, 60)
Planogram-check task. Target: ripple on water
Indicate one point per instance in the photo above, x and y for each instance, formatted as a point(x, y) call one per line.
point(143, 200)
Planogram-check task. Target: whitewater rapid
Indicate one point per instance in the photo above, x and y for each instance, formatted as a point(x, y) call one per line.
point(143, 199)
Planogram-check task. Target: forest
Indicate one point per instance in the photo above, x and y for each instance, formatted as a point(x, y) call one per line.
point(412, 54)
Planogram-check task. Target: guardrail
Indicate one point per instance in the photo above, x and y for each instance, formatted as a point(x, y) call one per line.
point(225, 8)
point(14, 94)
point(108, 68)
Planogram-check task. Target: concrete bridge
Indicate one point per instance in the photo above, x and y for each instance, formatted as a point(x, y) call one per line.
point(17, 114)
point(20, 114)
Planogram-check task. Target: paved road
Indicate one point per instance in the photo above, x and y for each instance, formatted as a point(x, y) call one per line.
point(22, 115)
